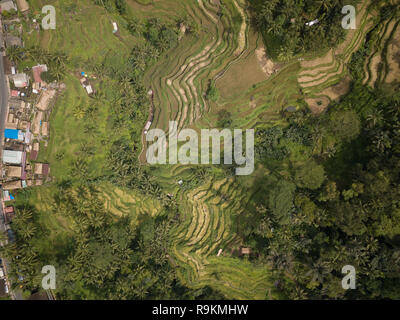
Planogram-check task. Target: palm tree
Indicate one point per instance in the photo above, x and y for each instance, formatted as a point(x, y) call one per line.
point(27, 230)
point(58, 70)
point(3, 238)
point(319, 270)
point(79, 112)
point(79, 167)
point(36, 53)
point(324, 4)
point(299, 294)
point(285, 54)
point(24, 214)
point(375, 118)
point(14, 53)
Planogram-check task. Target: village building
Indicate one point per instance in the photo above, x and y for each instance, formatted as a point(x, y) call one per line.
point(13, 157)
point(45, 99)
point(15, 93)
point(23, 5)
point(37, 122)
point(45, 129)
point(89, 89)
point(12, 121)
point(7, 5)
point(12, 185)
point(28, 134)
point(14, 145)
point(35, 152)
point(13, 171)
point(7, 65)
point(16, 104)
point(85, 84)
point(24, 125)
point(3, 288)
point(37, 71)
point(9, 214)
point(42, 169)
point(13, 41)
point(115, 27)
point(245, 251)
point(21, 80)
point(27, 174)
point(14, 134)
point(7, 196)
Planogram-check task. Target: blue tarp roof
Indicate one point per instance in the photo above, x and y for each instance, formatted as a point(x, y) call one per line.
point(13, 134)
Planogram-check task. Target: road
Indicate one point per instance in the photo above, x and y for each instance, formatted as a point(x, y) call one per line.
point(16, 294)
point(3, 91)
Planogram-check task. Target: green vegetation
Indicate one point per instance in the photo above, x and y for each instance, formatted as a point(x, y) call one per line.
point(349, 216)
point(324, 193)
point(284, 22)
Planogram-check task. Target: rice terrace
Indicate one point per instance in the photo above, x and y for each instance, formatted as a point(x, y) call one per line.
point(85, 100)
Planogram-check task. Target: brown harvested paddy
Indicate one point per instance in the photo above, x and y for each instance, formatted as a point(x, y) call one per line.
point(242, 75)
point(318, 105)
point(326, 59)
point(338, 90)
point(393, 57)
point(377, 60)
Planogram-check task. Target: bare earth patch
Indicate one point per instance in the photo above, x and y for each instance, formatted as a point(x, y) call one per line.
point(267, 65)
point(317, 105)
point(242, 33)
point(335, 92)
point(376, 60)
point(393, 58)
point(327, 59)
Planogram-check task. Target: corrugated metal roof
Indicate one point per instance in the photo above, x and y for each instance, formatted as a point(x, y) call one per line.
point(14, 134)
point(13, 157)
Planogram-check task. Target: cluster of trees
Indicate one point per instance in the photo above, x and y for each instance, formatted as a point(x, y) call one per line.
point(159, 37)
point(373, 40)
point(119, 6)
point(100, 257)
point(336, 203)
point(57, 62)
point(284, 22)
point(212, 93)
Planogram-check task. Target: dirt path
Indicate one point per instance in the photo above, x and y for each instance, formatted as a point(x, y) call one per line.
point(242, 34)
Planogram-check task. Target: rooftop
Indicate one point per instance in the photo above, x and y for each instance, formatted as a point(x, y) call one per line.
point(37, 71)
point(13, 157)
point(7, 5)
point(22, 5)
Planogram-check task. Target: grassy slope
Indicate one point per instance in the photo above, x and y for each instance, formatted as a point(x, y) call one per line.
point(84, 35)
point(209, 210)
point(87, 35)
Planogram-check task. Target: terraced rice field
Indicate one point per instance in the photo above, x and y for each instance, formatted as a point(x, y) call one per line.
point(319, 75)
point(179, 82)
point(82, 40)
point(393, 56)
point(209, 211)
point(222, 47)
point(126, 202)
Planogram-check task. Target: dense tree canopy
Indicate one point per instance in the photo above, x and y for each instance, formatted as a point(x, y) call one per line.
point(285, 22)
